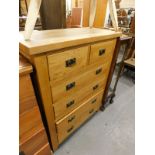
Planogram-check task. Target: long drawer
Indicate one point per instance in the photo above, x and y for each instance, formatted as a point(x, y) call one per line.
point(72, 121)
point(76, 83)
point(63, 63)
point(102, 51)
point(67, 104)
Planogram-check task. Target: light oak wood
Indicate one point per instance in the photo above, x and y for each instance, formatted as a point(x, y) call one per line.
point(61, 108)
point(93, 5)
point(49, 40)
point(45, 150)
point(100, 14)
point(59, 89)
point(86, 13)
point(130, 62)
point(72, 121)
point(45, 92)
point(30, 122)
point(57, 62)
point(108, 46)
point(27, 99)
point(48, 51)
point(36, 142)
point(24, 66)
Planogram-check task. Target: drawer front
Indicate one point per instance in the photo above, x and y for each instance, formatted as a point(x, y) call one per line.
point(35, 143)
point(70, 86)
point(61, 64)
point(68, 104)
point(72, 121)
point(27, 98)
point(30, 122)
point(102, 51)
point(45, 150)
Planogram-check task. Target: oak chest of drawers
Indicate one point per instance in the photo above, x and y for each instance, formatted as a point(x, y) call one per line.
point(32, 135)
point(71, 68)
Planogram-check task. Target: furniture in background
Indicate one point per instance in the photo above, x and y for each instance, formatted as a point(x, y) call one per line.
point(99, 16)
point(74, 20)
point(53, 14)
point(32, 135)
point(72, 67)
point(121, 61)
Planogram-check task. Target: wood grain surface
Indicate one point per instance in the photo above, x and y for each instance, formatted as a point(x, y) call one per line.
point(49, 40)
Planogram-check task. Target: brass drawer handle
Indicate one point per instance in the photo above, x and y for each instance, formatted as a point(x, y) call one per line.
point(91, 111)
point(70, 86)
point(70, 129)
point(95, 87)
point(94, 101)
point(101, 52)
point(70, 62)
point(70, 103)
point(98, 71)
point(71, 119)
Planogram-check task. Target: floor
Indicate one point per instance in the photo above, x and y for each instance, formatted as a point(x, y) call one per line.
point(110, 132)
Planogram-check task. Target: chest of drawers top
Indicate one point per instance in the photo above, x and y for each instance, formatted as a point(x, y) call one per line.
point(51, 40)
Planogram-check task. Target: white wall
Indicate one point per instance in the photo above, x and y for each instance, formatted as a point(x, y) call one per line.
point(127, 4)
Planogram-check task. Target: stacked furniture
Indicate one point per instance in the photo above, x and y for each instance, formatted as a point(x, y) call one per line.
point(71, 69)
point(32, 136)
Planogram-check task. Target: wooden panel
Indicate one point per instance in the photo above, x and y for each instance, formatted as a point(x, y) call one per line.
point(100, 13)
point(45, 92)
point(30, 122)
point(27, 99)
point(45, 41)
point(24, 66)
point(102, 51)
point(34, 143)
point(73, 84)
point(86, 12)
point(69, 123)
point(66, 62)
point(45, 150)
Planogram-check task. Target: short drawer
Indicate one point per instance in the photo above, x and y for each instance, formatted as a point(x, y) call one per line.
point(35, 143)
point(72, 121)
point(68, 87)
point(63, 63)
point(102, 51)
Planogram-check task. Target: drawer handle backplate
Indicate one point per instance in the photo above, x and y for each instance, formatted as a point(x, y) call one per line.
point(91, 111)
point(98, 71)
point(101, 52)
point(71, 119)
point(70, 103)
point(95, 87)
point(70, 129)
point(93, 101)
point(70, 62)
point(70, 86)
